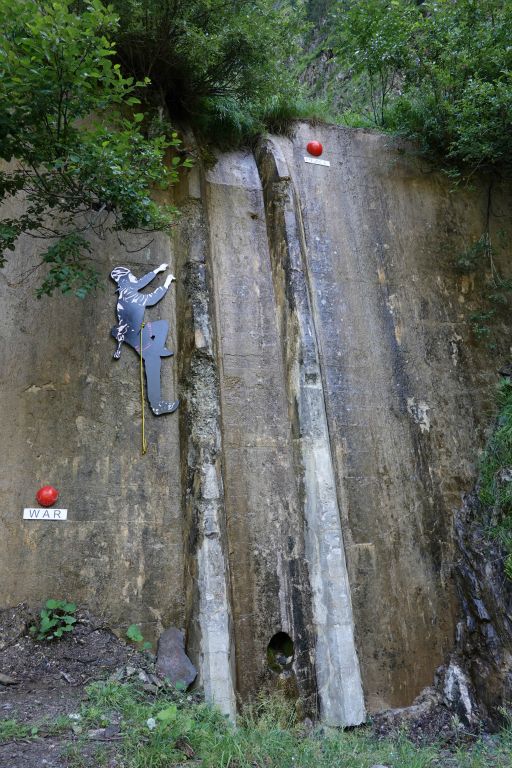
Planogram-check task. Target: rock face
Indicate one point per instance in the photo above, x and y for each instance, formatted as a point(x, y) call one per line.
point(332, 406)
point(172, 662)
point(484, 636)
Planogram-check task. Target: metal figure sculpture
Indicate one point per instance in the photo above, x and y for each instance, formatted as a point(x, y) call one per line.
point(147, 339)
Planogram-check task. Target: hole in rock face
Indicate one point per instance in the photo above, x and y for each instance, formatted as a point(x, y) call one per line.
point(280, 652)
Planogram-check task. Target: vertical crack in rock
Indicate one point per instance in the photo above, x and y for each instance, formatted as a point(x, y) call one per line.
point(270, 585)
point(208, 612)
point(337, 666)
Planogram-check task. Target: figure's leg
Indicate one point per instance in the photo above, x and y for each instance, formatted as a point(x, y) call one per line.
point(118, 332)
point(152, 366)
point(158, 331)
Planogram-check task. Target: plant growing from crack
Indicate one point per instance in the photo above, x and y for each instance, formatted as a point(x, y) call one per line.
point(495, 484)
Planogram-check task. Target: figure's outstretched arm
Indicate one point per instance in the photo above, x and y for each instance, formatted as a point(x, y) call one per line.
point(140, 284)
point(154, 298)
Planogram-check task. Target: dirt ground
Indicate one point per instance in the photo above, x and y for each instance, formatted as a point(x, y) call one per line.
point(47, 680)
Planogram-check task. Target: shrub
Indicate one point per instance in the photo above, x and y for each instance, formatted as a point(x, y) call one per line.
point(85, 159)
point(495, 482)
point(439, 72)
point(218, 66)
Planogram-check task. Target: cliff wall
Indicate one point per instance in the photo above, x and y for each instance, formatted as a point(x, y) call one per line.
point(333, 403)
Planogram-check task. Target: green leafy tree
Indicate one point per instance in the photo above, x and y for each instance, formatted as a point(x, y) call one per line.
point(223, 67)
point(74, 137)
point(457, 98)
point(373, 38)
point(318, 10)
point(438, 71)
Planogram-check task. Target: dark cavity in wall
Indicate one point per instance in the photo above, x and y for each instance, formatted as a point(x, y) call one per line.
point(280, 652)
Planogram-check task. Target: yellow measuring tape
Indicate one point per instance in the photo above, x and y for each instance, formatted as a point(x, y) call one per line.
point(144, 446)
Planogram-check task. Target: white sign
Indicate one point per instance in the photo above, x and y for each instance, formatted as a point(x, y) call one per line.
point(42, 513)
point(316, 161)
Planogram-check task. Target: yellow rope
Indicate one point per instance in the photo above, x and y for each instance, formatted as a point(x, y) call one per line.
point(144, 446)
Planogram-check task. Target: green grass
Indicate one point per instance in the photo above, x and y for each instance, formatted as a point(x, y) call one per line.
point(267, 736)
point(13, 730)
point(280, 114)
point(171, 728)
point(10, 730)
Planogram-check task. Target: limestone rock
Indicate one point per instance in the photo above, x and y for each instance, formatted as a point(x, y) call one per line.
point(172, 662)
point(328, 381)
point(458, 694)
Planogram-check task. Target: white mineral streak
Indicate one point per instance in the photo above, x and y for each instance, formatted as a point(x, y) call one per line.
point(456, 690)
point(337, 666)
point(419, 412)
point(216, 645)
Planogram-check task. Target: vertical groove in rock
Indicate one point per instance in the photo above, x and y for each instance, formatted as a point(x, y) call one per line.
point(208, 611)
point(270, 587)
point(336, 662)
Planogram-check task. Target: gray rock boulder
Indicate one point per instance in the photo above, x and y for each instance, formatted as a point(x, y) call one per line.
point(172, 662)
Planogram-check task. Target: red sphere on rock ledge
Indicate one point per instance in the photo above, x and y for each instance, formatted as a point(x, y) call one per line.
point(314, 148)
point(47, 495)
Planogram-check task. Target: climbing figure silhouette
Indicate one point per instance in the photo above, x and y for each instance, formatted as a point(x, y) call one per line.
point(130, 314)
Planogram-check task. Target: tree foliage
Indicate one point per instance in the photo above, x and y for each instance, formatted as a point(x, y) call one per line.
point(373, 37)
point(85, 89)
point(223, 67)
point(71, 130)
point(80, 86)
point(438, 71)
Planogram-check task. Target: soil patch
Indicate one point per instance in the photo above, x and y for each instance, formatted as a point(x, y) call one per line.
point(46, 680)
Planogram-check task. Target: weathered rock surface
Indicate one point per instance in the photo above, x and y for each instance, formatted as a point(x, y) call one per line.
point(172, 663)
point(333, 402)
point(338, 675)
point(6, 680)
point(484, 636)
point(422, 718)
point(458, 693)
point(208, 616)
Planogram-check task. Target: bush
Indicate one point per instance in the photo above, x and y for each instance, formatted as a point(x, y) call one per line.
point(439, 72)
point(218, 66)
point(495, 481)
point(82, 146)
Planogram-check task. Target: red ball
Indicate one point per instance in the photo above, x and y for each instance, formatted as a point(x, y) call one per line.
point(315, 148)
point(47, 495)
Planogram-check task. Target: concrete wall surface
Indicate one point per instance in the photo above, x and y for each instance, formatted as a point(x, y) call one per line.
point(333, 404)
